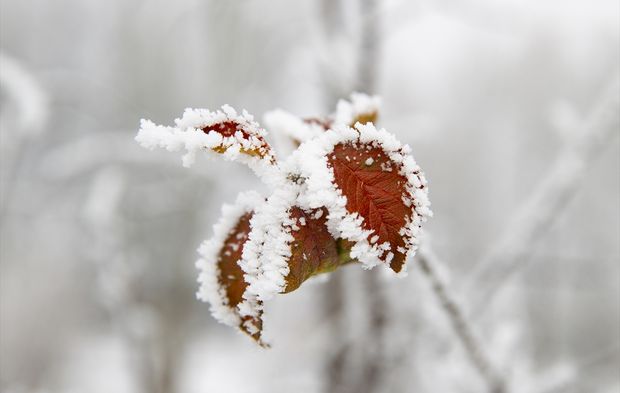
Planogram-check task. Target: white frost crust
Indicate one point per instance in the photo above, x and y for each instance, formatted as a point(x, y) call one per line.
point(187, 135)
point(268, 250)
point(281, 122)
point(210, 290)
point(311, 163)
point(359, 104)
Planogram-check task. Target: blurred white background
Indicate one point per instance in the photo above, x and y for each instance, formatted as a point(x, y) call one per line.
point(511, 108)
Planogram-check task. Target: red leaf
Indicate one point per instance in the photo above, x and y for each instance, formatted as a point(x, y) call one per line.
point(314, 250)
point(374, 189)
point(231, 129)
point(231, 277)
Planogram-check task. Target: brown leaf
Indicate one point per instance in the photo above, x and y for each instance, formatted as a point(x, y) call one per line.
point(374, 189)
point(258, 146)
point(314, 250)
point(231, 277)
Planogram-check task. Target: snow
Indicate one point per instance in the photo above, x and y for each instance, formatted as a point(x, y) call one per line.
point(265, 257)
point(188, 135)
point(360, 104)
point(281, 122)
point(210, 290)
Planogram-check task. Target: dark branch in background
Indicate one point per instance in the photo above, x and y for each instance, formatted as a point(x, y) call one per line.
point(556, 190)
point(333, 296)
point(374, 359)
point(341, 367)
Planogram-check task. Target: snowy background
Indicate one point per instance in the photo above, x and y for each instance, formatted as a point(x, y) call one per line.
point(511, 108)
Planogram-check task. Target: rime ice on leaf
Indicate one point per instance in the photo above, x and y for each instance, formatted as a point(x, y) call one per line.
point(375, 192)
point(313, 250)
point(236, 136)
point(222, 282)
point(280, 122)
point(360, 108)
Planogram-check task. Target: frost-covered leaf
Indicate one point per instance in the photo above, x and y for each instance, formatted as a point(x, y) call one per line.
point(235, 136)
point(376, 191)
point(287, 245)
point(372, 187)
point(361, 108)
point(222, 279)
point(298, 130)
point(313, 249)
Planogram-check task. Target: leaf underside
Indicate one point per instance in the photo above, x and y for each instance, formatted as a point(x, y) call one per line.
point(230, 274)
point(374, 189)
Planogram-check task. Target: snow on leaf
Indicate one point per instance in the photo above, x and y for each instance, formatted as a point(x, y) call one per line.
point(313, 250)
point(375, 193)
point(235, 136)
point(298, 130)
point(361, 108)
point(222, 279)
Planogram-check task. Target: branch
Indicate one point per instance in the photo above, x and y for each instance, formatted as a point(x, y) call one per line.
point(428, 260)
point(557, 189)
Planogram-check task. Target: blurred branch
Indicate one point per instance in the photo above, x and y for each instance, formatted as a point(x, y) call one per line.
point(428, 262)
point(372, 362)
point(31, 101)
point(368, 55)
point(333, 297)
point(93, 151)
point(555, 191)
point(602, 356)
point(119, 269)
point(375, 354)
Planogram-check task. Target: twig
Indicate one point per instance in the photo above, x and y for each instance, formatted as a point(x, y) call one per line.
point(427, 261)
point(538, 214)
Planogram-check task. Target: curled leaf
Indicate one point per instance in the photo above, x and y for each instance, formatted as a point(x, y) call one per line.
point(236, 136)
point(222, 279)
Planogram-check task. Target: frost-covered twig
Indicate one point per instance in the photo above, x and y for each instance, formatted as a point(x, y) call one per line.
point(539, 212)
point(463, 330)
